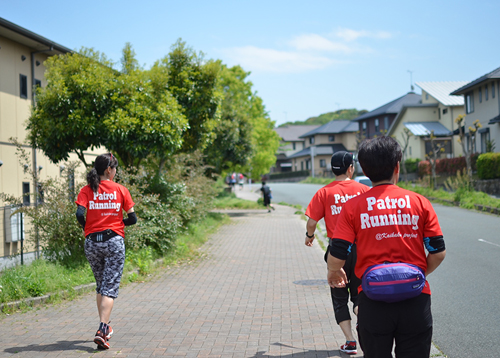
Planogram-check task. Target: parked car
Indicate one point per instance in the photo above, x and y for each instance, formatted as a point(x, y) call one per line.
point(363, 180)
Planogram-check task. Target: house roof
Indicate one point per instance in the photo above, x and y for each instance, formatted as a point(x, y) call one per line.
point(30, 39)
point(333, 127)
point(291, 133)
point(441, 91)
point(393, 107)
point(323, 149)
point(492, 75)
point(425, 128)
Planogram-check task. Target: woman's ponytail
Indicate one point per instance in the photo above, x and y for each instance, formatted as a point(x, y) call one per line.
point(102, 162)
point(93, 180)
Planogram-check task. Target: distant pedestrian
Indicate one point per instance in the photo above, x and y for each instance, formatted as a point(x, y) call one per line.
point(266, 196)
point(105, 201)
point(232, 181)
point(241, 180)
point(394, 226)
point(327, 203)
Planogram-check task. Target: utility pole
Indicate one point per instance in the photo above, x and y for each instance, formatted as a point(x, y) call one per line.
point(411, 80)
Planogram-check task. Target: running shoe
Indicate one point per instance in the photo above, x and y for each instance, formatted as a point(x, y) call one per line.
point(349, 348)
point(101, 340)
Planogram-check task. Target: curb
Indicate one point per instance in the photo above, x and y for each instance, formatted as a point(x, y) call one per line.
point(35, 301)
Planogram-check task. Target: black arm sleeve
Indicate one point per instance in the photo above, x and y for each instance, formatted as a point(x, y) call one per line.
point(434, 244)
point(131, 220)
point(80, 215)
point(339, 248)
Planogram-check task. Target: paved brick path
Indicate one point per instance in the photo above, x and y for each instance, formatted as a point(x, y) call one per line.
point(243, 299)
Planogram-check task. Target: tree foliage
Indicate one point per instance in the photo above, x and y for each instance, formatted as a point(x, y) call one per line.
point(330, 116)
point(69, 111)
point(182, 104)
point(193, 83)
point(145, 119)
point(232, 146)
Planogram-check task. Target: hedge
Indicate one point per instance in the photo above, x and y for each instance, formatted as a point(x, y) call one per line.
point(488, 166)
point(448, 166)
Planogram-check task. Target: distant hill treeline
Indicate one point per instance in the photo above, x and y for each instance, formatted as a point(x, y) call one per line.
point(330, 116)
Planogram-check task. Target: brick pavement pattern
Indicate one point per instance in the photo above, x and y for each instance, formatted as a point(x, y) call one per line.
point(258, 292)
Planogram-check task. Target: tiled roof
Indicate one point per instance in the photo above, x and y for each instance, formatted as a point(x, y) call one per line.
point(441, 91)
point(334, 127)
point(425, 128)
point(493, 74)
point(291, 133)
point(325, 149)
point(409, 99)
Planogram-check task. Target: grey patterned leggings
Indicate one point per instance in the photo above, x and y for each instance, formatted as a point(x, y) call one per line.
point(106, 260)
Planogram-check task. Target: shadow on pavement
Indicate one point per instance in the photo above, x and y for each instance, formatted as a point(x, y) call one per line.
point(59, 346)
point(305, 354)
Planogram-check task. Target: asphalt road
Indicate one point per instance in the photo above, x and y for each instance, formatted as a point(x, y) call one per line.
point(466, 290)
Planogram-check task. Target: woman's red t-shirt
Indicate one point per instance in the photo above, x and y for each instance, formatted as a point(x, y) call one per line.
point(105, 208)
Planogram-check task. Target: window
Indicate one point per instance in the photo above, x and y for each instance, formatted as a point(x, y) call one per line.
point(426, 96)
point(293, 145)
point(445, 110)
point(23, 86)
point(364, 131)
point(311, 140)
point(301, 165)
point(485, 139)
point(493, 90)
point(469, 102)
point(322, 163)
point(38, 83)
point(331, 138)
point(386, 123)
point(377, 129)
point(485, 93)
point(26, 194)
point(480, 95)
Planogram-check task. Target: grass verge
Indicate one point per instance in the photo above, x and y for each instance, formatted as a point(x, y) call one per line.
point(44, 277)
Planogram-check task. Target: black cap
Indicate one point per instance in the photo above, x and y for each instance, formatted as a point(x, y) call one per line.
point(341, 160)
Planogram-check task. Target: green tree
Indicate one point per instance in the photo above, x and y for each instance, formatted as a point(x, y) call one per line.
point(468, 147)
point(265, 140)
point(69, 110)
point(193, 83)
point(232, 146)
point(146, 119)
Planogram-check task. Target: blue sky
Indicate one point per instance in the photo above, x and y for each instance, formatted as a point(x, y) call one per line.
point(305, 57)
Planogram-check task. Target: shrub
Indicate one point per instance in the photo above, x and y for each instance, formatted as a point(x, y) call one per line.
point(412, 165)
point(448, 166)
point(488, 166)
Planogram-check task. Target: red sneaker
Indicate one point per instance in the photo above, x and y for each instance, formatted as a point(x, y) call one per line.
point(101, 340)
point(349, 348)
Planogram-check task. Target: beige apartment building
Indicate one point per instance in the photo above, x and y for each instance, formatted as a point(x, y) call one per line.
point(320, 144)
point(22, 57)
point(434, 112)
point(482, 102)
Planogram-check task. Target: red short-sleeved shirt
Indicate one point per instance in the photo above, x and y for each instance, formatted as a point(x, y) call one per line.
point(328, 201)
point(388, 224)
point(105, 208)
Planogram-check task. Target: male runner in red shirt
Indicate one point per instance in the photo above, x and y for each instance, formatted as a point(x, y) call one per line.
point(388, 224)
point(327, 203)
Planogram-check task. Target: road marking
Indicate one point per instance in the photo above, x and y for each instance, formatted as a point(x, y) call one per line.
point(491, 243)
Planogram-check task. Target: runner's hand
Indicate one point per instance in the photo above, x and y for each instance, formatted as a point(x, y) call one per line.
point(337, 279)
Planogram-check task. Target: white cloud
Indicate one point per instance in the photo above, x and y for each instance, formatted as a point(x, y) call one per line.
point(318, 43)
point(307, 52)
point(270, 60)
point(350, 35)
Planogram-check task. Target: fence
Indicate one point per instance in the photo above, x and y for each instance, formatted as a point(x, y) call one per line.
point(13, 250)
